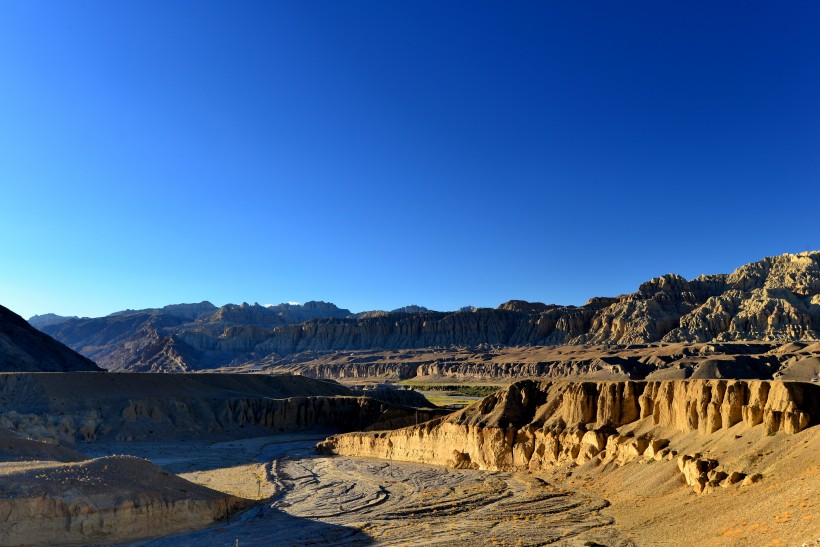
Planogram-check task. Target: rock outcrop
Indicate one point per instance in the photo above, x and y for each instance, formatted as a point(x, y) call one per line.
point(538, 425)
point(25, 349)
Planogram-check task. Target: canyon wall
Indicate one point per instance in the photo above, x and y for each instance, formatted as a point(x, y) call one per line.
point(82, 407)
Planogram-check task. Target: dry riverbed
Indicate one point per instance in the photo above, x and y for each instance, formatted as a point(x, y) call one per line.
point(320, 500)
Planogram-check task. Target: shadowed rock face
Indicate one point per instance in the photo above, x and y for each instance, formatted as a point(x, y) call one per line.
point(84, 407)
point(24, 348)
point(775, 299)
point(533, 425)
point(181, 337)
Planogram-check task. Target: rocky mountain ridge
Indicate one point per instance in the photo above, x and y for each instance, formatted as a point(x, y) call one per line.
point(775, 299)
point(40, 321)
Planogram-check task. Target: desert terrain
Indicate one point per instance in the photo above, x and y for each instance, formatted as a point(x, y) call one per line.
point(561, 462)
point(686, 413)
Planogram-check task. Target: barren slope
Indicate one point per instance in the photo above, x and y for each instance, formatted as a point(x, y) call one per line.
point(25, 349)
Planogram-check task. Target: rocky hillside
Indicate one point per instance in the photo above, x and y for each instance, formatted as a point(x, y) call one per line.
point(25, 349)
point(775, 299)
point(717, 453)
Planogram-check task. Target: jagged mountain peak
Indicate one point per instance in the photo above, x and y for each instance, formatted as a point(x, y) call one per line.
point(38, 321)
point(412, 308)
point(524, 306)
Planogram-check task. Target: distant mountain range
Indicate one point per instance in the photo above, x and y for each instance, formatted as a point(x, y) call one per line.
point(40, 321)
point(777, 298)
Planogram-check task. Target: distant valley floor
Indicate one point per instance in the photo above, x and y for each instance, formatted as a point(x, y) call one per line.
point(791, 361)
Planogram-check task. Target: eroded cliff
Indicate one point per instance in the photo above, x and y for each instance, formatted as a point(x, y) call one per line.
point(82, 407)
point(539, 425)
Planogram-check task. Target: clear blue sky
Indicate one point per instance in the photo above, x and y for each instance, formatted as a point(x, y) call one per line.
point(378, 154)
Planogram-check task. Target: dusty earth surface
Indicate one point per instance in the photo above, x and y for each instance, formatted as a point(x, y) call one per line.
point(320, 500)
point(653, 506)
point(88, 502)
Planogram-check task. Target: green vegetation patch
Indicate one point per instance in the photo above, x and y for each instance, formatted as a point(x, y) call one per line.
point(456, 389)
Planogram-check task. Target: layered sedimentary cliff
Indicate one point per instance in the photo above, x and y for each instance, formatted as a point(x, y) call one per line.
point(83, 407)
point(539, 425)
point(775, 299)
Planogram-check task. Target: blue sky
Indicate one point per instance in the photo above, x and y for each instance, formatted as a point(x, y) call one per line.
point(379, 154)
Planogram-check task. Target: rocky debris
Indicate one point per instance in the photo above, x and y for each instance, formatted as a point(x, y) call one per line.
point(25, 349)
point(539, 425)
point(704, 474)
point(752, 479)
point(775, 299)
